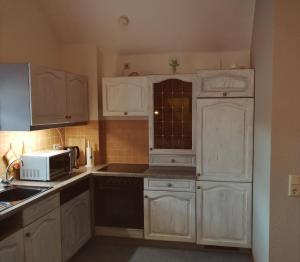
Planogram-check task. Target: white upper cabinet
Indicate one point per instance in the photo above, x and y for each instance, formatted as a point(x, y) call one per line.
point(48, 96)
point(36, 97)
point(225, 139)
point(125, 96)
point(224, 214)
point(226, 83)
point(77, 98)
point(12, 248)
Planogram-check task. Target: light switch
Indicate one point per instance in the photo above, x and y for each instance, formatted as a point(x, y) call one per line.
point(294, 185)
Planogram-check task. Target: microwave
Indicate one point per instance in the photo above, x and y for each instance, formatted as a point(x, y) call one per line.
point(45, 165)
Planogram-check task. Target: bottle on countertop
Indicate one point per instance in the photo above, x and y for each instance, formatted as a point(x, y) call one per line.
point(89, 155)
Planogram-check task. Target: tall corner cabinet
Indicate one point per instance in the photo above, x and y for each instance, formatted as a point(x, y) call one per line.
point(225, 107)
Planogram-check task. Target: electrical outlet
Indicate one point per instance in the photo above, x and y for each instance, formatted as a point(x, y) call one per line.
point(294, 185)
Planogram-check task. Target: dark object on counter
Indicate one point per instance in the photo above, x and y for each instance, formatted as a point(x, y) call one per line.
point(124, 168)
point(75, 154)
point(119, 202)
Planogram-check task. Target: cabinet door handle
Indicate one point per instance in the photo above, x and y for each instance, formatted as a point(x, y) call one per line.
point(198, 187)
point(224, 93)
point(169, 185)
point(173, 160)
point(145, 196)
point(125, 113)
point(198, 174)
point(27, 234)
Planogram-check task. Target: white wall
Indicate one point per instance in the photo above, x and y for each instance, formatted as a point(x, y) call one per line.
point(158, 63)
point(26, 35)
point(262, 61)
point(285, 211)
point(83, 59)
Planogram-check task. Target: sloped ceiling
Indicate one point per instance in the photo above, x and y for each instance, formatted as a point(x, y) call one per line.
point(155, 25)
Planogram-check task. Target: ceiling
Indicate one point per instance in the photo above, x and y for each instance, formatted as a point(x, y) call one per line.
point(155, 25)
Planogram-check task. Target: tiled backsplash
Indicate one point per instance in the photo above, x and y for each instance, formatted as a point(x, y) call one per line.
point(33, 141)
point(125, 141)
point(79, 135)
point(122, 141)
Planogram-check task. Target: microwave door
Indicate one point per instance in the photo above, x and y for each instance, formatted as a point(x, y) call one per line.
point(59, 165)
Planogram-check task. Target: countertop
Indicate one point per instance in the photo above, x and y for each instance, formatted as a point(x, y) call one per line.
point(83, 172)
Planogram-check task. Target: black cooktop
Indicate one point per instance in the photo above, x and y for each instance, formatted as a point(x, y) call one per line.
point(124, 168)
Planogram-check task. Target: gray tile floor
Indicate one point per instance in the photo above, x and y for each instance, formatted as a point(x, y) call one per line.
point(103, 250)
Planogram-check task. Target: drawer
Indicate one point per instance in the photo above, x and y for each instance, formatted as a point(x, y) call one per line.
point(172, 160)
point(169, 184)
point(40, 209)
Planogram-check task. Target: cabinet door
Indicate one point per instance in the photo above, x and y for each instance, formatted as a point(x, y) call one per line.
point(48, 96)
point(169, 216)
point(225, 139)
point(224, 214)
point(12, 248)
point(226, 83)
point(76, 224)
point(125, 96)
point(77, 97)
point(42, 239)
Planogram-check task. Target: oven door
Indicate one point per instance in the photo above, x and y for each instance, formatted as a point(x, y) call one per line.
point(59, 165)
point(119, 202)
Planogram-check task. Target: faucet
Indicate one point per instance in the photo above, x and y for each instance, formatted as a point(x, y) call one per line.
point(7, 180)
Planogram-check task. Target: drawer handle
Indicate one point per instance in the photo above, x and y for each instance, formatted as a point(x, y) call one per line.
point(173, 160)
point(198, 187)
point(125, 113)
point(145, 196)
point(27, 234)
point(151, 148)
point(224, 93)
point(169, 185)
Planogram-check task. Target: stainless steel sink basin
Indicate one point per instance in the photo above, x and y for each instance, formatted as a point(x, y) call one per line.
point(12, 195)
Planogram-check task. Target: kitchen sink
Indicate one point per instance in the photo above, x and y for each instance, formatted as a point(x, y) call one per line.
point(13, 195)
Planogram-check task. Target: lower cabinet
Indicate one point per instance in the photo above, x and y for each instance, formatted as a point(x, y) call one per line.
point(169, 216)
point(12, 248)
point(224, 213)
point(76, 224)
point(42, 239)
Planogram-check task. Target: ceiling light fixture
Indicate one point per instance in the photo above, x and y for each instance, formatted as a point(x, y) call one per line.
point(124, 20)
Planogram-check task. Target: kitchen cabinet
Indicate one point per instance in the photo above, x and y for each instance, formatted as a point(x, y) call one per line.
point(36, 97)
point(77, 98)
point(224, 214)
point(76, 224)
point(171, 120)
point(125, 96)
point(48, 96)
point(42, 239)
point(169, 211)
point(225, 139)
point(226, 83)
point(12, 248)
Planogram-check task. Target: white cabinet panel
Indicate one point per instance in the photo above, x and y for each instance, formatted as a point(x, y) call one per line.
point(42, 239)
point(125, 96)
point(12, 248)
point(226, 83)
point(225, 139)
point(48, 96)
point(76, 224)
point(77, 94)
point(224, 214)
point(169, 216)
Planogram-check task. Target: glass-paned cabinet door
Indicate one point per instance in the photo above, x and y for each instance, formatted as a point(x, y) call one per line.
point(172, 114)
